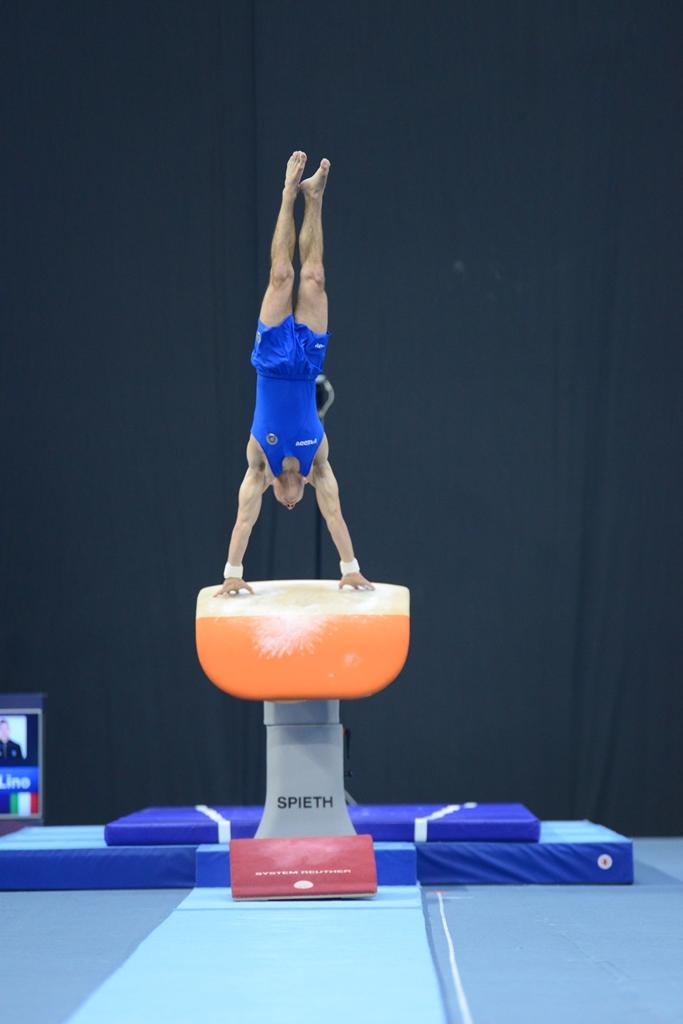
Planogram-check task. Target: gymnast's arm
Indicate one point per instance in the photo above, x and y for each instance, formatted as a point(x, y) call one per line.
point(327, 495)
point(248, 509)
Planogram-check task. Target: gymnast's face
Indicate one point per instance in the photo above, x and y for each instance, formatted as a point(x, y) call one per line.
point(289, 489)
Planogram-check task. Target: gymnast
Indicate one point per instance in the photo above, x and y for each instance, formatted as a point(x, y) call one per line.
point(287, 445)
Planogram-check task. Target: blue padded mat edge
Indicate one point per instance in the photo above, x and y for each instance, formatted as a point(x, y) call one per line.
point(396, 864)
point(78, 858)
point(568, 853)
point(573, 852)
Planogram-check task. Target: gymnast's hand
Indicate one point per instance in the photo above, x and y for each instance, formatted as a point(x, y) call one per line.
point(355, 580)
point(232, 587)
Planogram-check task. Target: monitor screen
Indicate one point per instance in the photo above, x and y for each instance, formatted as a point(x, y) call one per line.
point(21, 755)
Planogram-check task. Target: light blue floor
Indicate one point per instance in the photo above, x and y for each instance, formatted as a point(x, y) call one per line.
point(589, 955)
point(58, 947)
point(280, 961)
point(567, 954)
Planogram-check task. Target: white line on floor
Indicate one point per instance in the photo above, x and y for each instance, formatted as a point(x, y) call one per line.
point(459, 990)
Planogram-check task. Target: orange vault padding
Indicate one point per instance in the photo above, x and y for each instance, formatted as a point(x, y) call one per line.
point(303, 639)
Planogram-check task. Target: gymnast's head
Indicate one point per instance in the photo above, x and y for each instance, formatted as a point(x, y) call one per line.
point(288, 488)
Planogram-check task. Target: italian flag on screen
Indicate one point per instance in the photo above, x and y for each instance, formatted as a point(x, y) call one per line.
point(23, 804)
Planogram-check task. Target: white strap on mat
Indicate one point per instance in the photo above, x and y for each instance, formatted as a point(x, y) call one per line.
point(420, 832)
point(223, 823)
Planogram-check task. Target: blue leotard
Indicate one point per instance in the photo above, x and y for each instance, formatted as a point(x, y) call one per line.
point(287, 358)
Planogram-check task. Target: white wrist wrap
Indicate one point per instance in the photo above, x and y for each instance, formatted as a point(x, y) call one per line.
point(348, 567)
point(234, 571)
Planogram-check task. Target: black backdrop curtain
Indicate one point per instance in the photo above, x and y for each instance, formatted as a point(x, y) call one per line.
point(503, 228)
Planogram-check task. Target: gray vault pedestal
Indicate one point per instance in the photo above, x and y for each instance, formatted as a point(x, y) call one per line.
point(304, 771)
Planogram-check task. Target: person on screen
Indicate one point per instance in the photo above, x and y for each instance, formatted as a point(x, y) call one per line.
point(288, 447)
point(10, 752)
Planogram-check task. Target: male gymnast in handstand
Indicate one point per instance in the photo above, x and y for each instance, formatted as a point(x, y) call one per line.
point(287, 445)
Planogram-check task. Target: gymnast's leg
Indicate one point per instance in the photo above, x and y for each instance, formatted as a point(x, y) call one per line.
point(277, 302)
point(311, 303)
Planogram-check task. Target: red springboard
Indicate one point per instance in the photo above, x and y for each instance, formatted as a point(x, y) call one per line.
point(302, 867)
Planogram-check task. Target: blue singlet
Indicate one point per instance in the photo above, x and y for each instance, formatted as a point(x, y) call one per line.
point(287, 359)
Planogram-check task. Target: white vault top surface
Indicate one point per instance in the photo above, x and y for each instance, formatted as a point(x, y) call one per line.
point(304, 597)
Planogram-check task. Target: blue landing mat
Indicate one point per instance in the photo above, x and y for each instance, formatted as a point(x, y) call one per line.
point(568, 852)
point(78, 858)
point(384, 822)
point(287, 962)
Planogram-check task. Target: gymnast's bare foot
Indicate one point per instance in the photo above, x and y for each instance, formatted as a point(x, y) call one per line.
point(295, 168)
point(314, 186)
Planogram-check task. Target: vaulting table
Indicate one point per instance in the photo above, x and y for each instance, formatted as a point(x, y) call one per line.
point(301, 646)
